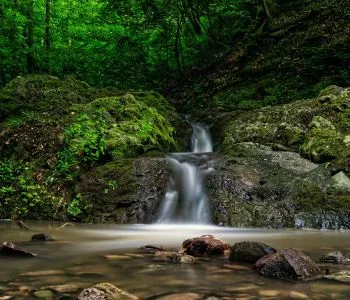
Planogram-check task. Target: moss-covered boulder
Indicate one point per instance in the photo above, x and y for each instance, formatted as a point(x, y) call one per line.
point(255, 186)
point(52, 131)
point(318, 128)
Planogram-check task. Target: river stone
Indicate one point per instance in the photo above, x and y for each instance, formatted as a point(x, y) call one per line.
point(269, 293)
point(181, 296)
point(343, 276)
point(249, 252)
point(63, 288)
point(105, 291)
point(336, 257)
point(204, 246)
point(287, 264)
point(174, 257)
point(9, 250)
point(41, 237)
point(297, 295)
point(43, 294)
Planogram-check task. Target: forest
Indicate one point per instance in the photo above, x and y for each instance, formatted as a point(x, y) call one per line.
point(174, 149)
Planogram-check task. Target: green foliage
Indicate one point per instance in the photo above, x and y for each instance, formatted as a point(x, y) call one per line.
point(78, 207)
point(84, 141)
point(21, 196)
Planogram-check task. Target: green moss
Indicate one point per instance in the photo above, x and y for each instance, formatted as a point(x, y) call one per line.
point(322, 145)
point(309, 197)
point(133, 127)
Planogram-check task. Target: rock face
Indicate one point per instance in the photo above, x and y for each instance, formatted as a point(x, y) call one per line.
point(105, 291)
point(204, 246)
point(336, 257)
point(132, 190)
point(249, 252)
point(9, 250)
point(260, 180)
point(287, 264)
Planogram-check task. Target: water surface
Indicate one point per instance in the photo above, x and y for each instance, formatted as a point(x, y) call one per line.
point(84, 255)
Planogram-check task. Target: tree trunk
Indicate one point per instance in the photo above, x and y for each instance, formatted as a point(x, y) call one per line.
point(177, 43)
point(48, 33)
point(30, 37)
point(266, 9)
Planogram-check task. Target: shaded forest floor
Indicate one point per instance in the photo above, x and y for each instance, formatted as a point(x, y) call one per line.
point(304, 50)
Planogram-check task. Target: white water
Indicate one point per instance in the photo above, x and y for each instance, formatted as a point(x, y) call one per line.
point(185, 200)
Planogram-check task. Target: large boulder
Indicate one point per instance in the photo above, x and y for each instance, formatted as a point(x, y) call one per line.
point(287, 264)
point(204, 246)
point(105, 291)
point(249, 252)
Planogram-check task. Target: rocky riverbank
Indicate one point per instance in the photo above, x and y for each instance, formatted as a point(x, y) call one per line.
point(73, 152)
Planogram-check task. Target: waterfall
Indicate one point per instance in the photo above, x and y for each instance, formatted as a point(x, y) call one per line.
point(185, 200)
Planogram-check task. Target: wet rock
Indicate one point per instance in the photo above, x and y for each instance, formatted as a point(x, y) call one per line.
point(43, 273)
point(336, 257)
point(269, 293)
point(64, 288)
point(343, 276)
point(287, 264)
point(9, 250)
point(44, 294)
point(249, 252)
point(181, 296)
point(117, 257)
point(204, 246)
point(105, 291)
point(297, 295)
point(92, 294)
point(41, 237)
point(174, 257)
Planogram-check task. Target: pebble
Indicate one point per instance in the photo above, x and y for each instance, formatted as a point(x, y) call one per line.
point(43, 273)
point(241, 289)
point(297, 295)
point(43, 294)
point(269, 293)
point(24, 288)
point(5, 297)
point(117, 257)
point(63, 288)
point(181, 296)
point(237, 267)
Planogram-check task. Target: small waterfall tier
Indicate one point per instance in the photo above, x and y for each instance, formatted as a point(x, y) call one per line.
point(185, 200)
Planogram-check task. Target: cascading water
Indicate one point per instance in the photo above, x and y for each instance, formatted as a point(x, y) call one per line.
point(185, 200)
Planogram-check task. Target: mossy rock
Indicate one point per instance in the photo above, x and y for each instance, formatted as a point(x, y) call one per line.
point(322, 145)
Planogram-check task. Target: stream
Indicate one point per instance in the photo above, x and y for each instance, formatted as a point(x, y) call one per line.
point(84, 255)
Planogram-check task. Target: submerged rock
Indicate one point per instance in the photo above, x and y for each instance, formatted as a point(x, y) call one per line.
point(336, 257)
point(343, 276)
point(204, 246)
point(174, 257)
point(287, 264)
point(41, 237)
point(105, 291)
point(249, 252)
point(181, 296)
point(44, 294)
point(9, 250)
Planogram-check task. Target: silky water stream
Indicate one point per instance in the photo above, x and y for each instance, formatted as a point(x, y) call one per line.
point(83, 255)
